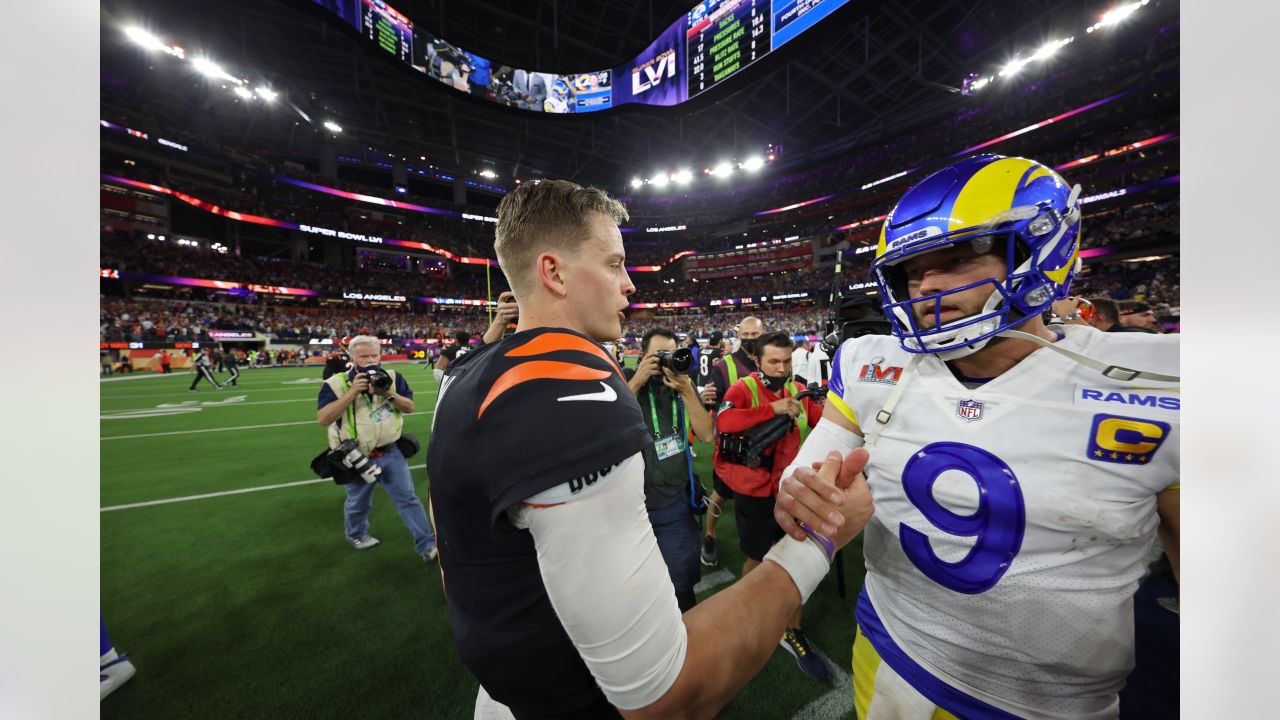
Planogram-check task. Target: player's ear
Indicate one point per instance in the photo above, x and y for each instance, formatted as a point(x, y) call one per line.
point(551, 272)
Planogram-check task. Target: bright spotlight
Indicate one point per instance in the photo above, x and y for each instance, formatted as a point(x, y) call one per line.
point(683, 177)
point(487, 173)
point(636, 182)
point(144, 38)
point(332, 126)
point(208, 68)
point(266, 94)
point(244, 92)
point(753, 163)
point(723, 169)
point(660, 180)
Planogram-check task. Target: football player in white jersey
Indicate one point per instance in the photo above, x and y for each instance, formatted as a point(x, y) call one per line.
point(1020, 472)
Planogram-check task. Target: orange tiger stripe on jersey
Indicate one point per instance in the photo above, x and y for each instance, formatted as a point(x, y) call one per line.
point(539, 370)
point(551, 342)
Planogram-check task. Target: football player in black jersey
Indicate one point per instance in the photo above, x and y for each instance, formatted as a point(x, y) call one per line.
point(559, 599)
point(707, 357)
point(461, 346)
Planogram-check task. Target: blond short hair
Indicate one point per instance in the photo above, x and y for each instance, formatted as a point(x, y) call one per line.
point(546, 215)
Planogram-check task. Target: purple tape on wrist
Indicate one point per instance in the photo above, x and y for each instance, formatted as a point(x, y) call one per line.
point(826, 544)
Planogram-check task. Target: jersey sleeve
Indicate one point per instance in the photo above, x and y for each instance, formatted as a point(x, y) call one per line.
point(836, 393)
point(610, 588)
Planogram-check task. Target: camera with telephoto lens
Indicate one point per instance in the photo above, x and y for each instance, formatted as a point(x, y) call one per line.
point(348, 455)
point(748, 448)
point(379, 379)
point(679, 361)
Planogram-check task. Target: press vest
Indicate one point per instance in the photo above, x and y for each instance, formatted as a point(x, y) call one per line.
point(357, 420)
point(754, 386)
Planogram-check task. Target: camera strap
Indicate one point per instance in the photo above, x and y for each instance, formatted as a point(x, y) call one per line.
point(688, 462)
point(663, 444)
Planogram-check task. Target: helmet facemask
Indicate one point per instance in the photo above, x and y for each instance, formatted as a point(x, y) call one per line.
point(1025, 237)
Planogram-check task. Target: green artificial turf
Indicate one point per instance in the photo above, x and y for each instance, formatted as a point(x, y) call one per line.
point(252, 605)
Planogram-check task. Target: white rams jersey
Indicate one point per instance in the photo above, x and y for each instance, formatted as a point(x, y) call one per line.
point(1011, 520)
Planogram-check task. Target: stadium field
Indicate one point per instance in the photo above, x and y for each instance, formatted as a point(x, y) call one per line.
point(226, 575)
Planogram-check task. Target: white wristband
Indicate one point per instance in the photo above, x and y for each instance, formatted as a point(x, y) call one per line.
point(806, 562)
point(825, 437)
point(438, 373)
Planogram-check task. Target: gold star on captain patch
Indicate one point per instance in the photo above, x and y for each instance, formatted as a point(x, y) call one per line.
point(1142, 458)
point(1097, 453)
point(1128, 457)
point(1115, 456)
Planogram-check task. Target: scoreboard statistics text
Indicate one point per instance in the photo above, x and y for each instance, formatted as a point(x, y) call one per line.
point(725, 36)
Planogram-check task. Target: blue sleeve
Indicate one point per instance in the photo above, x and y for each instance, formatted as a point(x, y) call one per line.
point(327, 395)
point(835, 383)
point(402, 387)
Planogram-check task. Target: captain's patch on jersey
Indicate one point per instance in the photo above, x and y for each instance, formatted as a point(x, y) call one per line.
point(1125, 440)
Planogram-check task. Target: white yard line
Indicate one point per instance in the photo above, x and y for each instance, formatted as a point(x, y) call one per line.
point(723, 576)
point(208, 430)
point(223, 429)
point(241, 388)
point(205, 496)
point(837, 702)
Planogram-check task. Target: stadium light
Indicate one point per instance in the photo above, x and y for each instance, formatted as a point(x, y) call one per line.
point(265, 94)
point(660, 180)
point(210, 69)
point(753, 163)
point(683, 176)
point(487, 173)
point(244, 92)
point(722, 170)
point(636, 182)
point(332, 126)
point(1116, 14)
point(144, 38)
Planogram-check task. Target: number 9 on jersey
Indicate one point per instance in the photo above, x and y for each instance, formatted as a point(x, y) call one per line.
point(998, 524)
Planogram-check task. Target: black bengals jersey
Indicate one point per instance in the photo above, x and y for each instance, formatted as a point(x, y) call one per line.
point(707, 358)
point(514, 418)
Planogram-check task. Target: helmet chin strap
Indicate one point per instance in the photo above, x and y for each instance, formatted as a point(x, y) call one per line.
point(1114, 372)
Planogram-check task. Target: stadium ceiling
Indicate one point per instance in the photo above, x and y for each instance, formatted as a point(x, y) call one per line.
point(870, 70)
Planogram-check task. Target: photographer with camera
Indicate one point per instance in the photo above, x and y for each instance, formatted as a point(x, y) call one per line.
point(749, 404)
point(364, 410)
point(725, 372)
point(671, 492)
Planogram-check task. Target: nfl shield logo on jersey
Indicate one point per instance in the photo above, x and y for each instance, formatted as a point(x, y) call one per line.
point(969, 410)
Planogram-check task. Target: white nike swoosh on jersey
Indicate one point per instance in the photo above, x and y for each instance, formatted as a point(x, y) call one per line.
point(606, 395)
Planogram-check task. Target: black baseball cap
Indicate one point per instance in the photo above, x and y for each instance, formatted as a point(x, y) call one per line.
point(715, 338)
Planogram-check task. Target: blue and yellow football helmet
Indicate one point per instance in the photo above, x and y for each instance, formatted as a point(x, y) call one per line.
point(983, 200)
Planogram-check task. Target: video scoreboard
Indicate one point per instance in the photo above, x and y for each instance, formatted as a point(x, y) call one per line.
point(711, 43)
